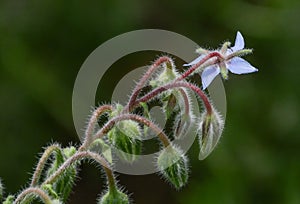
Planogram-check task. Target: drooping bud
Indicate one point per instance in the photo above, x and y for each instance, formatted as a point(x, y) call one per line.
point(56, 201)
point(63, 186)
point(9, 199)
point(167, 75)
point(182, 124)
point(173, 165)
point(125, 136)
point(209, 132)
point(114, 196)
point(103, 148)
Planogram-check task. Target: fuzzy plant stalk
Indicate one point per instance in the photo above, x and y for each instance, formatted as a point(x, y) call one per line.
point(122, 128)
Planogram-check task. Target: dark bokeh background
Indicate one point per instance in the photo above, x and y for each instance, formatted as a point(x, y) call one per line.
point(44, 43)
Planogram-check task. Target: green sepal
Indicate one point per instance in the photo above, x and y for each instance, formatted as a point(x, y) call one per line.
point(9, 200)
point(105, 149)
point(125, 137)
point(114, 197)
point(172, 164)
point(63, 186)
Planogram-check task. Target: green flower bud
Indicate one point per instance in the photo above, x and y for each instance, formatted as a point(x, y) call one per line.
point(169, 105)
point(173, 166)
point(114, 197)
point(125, 136)
point(167, 75)
point(182, 124)
point(104, 148)
point(209, 132)
point(56, 201)
point(63, 186)
point(9, 199)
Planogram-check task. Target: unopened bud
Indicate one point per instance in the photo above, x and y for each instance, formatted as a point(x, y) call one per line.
point(56, 201)
point(167, 75)
point(114, 197)
point(209, 132)
point(9, 200)
point(173, 165)
point(125, 136)
point(182, 125)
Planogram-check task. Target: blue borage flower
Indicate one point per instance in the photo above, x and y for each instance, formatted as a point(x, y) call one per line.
point(231, 61)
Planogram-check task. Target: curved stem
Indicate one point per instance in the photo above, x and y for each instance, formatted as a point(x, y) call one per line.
point(36, 191)
point(195, 66)
point(173, 85)
point(77, 157)
point(145, 78)
point(186, 101)
point(109, 125)
point(41, 164)
point(92, 123)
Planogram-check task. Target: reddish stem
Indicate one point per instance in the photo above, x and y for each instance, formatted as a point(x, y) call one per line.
point(110, 124)
point(195, 66)
point(159, 90)
point(144, 79)
point(92, 123)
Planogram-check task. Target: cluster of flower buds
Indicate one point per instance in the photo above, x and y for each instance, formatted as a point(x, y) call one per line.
point(124, 127)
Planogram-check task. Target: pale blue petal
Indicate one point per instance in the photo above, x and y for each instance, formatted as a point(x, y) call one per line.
point(239, 42)
point(238, 65)
point(195, 61)
point(208, 75)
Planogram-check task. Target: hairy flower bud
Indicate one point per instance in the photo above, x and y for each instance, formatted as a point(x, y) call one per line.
point(114, 196)
point(167, 75)
point(56, 201)
point(63, 186)
point(209, 132)
point(9, 200)
point(173, 166)
point(182, 125)
point(125, 136)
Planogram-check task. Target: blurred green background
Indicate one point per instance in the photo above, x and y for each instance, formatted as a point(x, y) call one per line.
point(44, 43)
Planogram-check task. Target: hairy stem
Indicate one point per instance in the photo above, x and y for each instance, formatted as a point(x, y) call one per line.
point(145, 78)
point(77, 157)
point(92, 123)
point(33, 191)
point(186, 101)
point(109, 125)
point(201, 62)
point(173, 85)
point(41, 164)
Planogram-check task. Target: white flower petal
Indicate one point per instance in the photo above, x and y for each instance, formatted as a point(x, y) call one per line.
point(208, 75)
point(239, 42)
point(238, 65)
point(195, 61)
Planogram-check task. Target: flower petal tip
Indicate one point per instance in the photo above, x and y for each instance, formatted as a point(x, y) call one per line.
point(239, 42)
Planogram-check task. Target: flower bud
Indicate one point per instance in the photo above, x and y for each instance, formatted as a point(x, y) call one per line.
point(9, 200)
point(209, 132)
point(173, 166)
point(63, 186)
point(56, 201)
point(182, 125)
point(125, 136)
point(167, 75)
point(114, 197)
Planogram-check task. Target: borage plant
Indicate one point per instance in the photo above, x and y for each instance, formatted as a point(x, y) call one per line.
point(124, 126)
